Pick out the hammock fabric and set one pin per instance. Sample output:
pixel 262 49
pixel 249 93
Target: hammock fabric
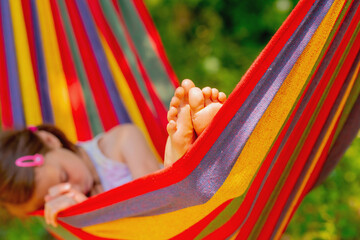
pixel 281 131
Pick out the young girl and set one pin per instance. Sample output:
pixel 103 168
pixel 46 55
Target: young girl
pixel 41 168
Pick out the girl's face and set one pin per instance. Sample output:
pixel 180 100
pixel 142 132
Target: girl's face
pixel 60 166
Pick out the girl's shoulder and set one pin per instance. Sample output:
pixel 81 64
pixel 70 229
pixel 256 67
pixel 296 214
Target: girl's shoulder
pixel 121 131
pixel 118 137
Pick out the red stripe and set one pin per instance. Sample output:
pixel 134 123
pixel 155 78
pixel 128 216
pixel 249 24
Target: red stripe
pixel 30 35
pixel 180 169
pixel 102 99
pixel 310 182
pixel 158 104
pixel 6 109
pixel 322 160
pixel 153 33
pixel 157 132
pixel 74 87
pixel 315 174
pixel 321 119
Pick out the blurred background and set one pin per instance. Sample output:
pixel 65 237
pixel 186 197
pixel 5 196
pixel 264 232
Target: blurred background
pixel 213 42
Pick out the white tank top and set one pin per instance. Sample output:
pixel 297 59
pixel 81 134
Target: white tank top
pixel 112 173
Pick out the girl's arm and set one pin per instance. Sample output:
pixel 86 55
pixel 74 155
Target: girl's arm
pixel 127 144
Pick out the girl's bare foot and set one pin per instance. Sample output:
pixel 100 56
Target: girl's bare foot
pixel 180 127
pixel 204 104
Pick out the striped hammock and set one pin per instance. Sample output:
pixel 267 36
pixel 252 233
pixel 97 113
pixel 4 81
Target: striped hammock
pixel 87 65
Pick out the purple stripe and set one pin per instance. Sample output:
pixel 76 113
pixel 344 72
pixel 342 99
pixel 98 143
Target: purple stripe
pixel 46 108
pixel 212 171
pixel 102 62
pixel 15 94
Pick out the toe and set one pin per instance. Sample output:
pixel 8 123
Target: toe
pixel 222 97
pixel 187 84
pixel 207 95
pixel 179 93
pixel 175 102
pixel 171 127
pixel 172 114
pixel 214 94
pixel 196 99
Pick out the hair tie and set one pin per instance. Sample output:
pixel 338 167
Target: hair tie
pixel 32 128
pixel 30 161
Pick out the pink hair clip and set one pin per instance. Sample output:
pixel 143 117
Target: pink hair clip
pixel 30 161
pixel 32 128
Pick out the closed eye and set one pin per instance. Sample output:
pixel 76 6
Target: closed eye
pixel 64 177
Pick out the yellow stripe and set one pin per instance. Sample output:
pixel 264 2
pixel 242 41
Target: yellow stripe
pixel 126 95
pixel 57 82
pixel 248 162
pixel 318 154
pixel 26 75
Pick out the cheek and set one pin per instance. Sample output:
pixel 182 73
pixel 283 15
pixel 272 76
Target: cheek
pixel 81 178
pixel 78 171
pixel 46 178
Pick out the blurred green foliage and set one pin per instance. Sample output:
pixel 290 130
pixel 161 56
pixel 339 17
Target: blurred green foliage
pixel 213 42
pixel 332 210
pixel 16 229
